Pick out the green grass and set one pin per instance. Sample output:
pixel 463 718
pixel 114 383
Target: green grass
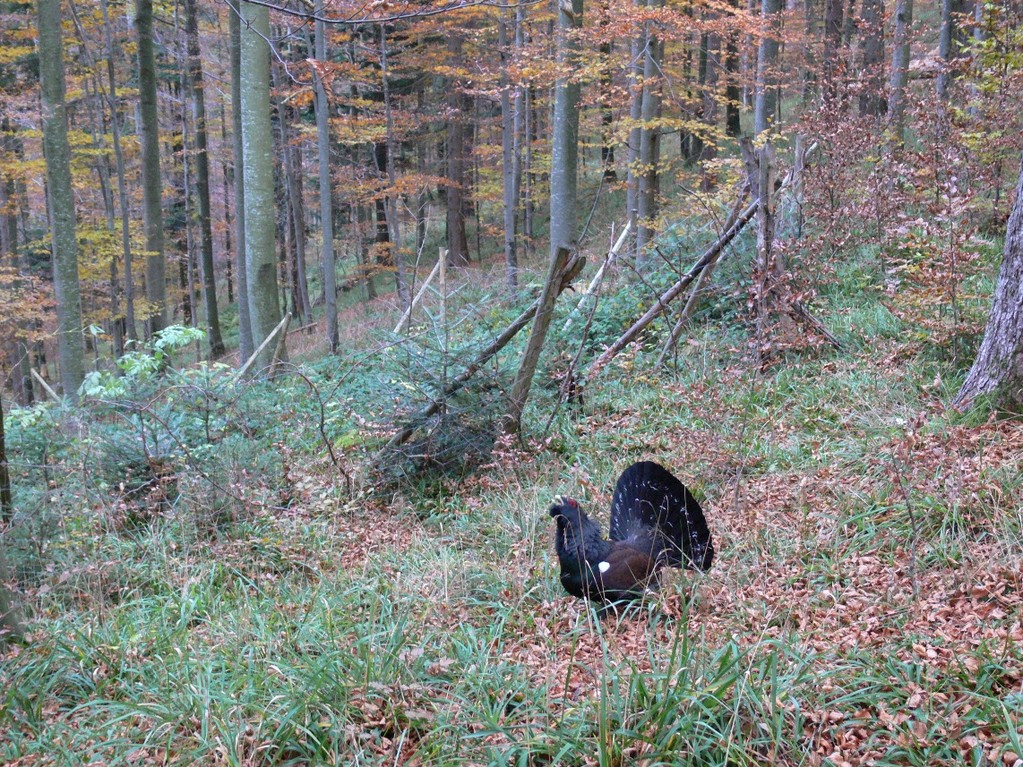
pixel 863 605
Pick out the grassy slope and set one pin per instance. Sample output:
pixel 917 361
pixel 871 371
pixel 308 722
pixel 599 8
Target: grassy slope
pixel 864 607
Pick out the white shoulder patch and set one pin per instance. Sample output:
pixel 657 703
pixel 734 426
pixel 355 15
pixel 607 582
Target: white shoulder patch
pixel 603 566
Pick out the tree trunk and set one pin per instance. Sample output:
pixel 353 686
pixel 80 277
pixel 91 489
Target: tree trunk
pixel 226 178
pixel 769 264
pixel 649 145
pixel 61 198
pixel 245 342
pixel 710 104
pixel 187 243
pixel 633 171
pixel 202 182
pixel 565 130
pixel 564 167
pixel 362 222
pixel 152 189
pixel 457 241
pixel 122 186
pixel 900 69
pixel 510 126
pixel 326 204
pixel 999 365
pixel 10 620
pixel 6 498
pixel 733 93
pixel 607 115
pixel 257 151
pixel 529 133
pixel 393 219
pixel 766 98
pixel 872 101
pixel 946 41
pixel 833 10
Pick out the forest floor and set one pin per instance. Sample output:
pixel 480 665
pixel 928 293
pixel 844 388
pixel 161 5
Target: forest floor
pixel 864 607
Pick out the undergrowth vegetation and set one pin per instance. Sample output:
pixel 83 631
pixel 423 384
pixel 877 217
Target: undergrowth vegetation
pixel 233 572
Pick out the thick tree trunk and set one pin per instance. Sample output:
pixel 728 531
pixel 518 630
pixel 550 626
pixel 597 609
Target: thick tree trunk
pixel 565 134
pixel 202 182
pixel 564 168
pixel 649 145
pixel 11 629
pixel 393 218
pixel 122 186
pixel 872 101
pixel 833 10
pixel 710 103
pixel 245 342
pixel 766 98
pixel 998 368
pixel 457 241
pixel 733 93
pixel 326 203
pixel 257 150
pixel 152 189
pixel 900 69
pixel 61 198
pixel 946 41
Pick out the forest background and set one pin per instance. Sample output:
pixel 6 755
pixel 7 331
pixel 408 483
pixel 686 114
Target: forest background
pixel 308 309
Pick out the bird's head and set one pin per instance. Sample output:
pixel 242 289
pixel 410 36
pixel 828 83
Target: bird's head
pixel 565 509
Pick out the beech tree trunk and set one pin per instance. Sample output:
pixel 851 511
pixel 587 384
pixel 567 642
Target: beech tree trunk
pixel 457 241
pixel 710 103
pixel 733 93
pixel 564 167
pixel 635 131
pixel 649 144
pixel 152 188
pixel 122 186
pixel 64 245
pixel 326 204
pixel 565 133
pixel 900 68
pixel 833 10
pixel 202 181
pixel 766 98
pixel 510 129
pixel 245 343
pixel 998 368
pixel 10 620
pixel 946 44
pixel 393 217
pixel 872 101
pixel 257 150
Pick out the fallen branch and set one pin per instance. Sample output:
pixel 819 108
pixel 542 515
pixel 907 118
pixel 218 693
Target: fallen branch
pixel 569 273
pixel 709 257
pixel 266 342
pixel 609 259
pixel 46 387
pixel 673 292
pixel 690 307
pixel 415 301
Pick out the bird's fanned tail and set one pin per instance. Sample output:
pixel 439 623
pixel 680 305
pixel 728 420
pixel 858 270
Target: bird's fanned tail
pixel 654 512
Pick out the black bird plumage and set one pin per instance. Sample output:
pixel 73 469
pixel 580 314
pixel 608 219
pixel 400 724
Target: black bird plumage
pixel 655 521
